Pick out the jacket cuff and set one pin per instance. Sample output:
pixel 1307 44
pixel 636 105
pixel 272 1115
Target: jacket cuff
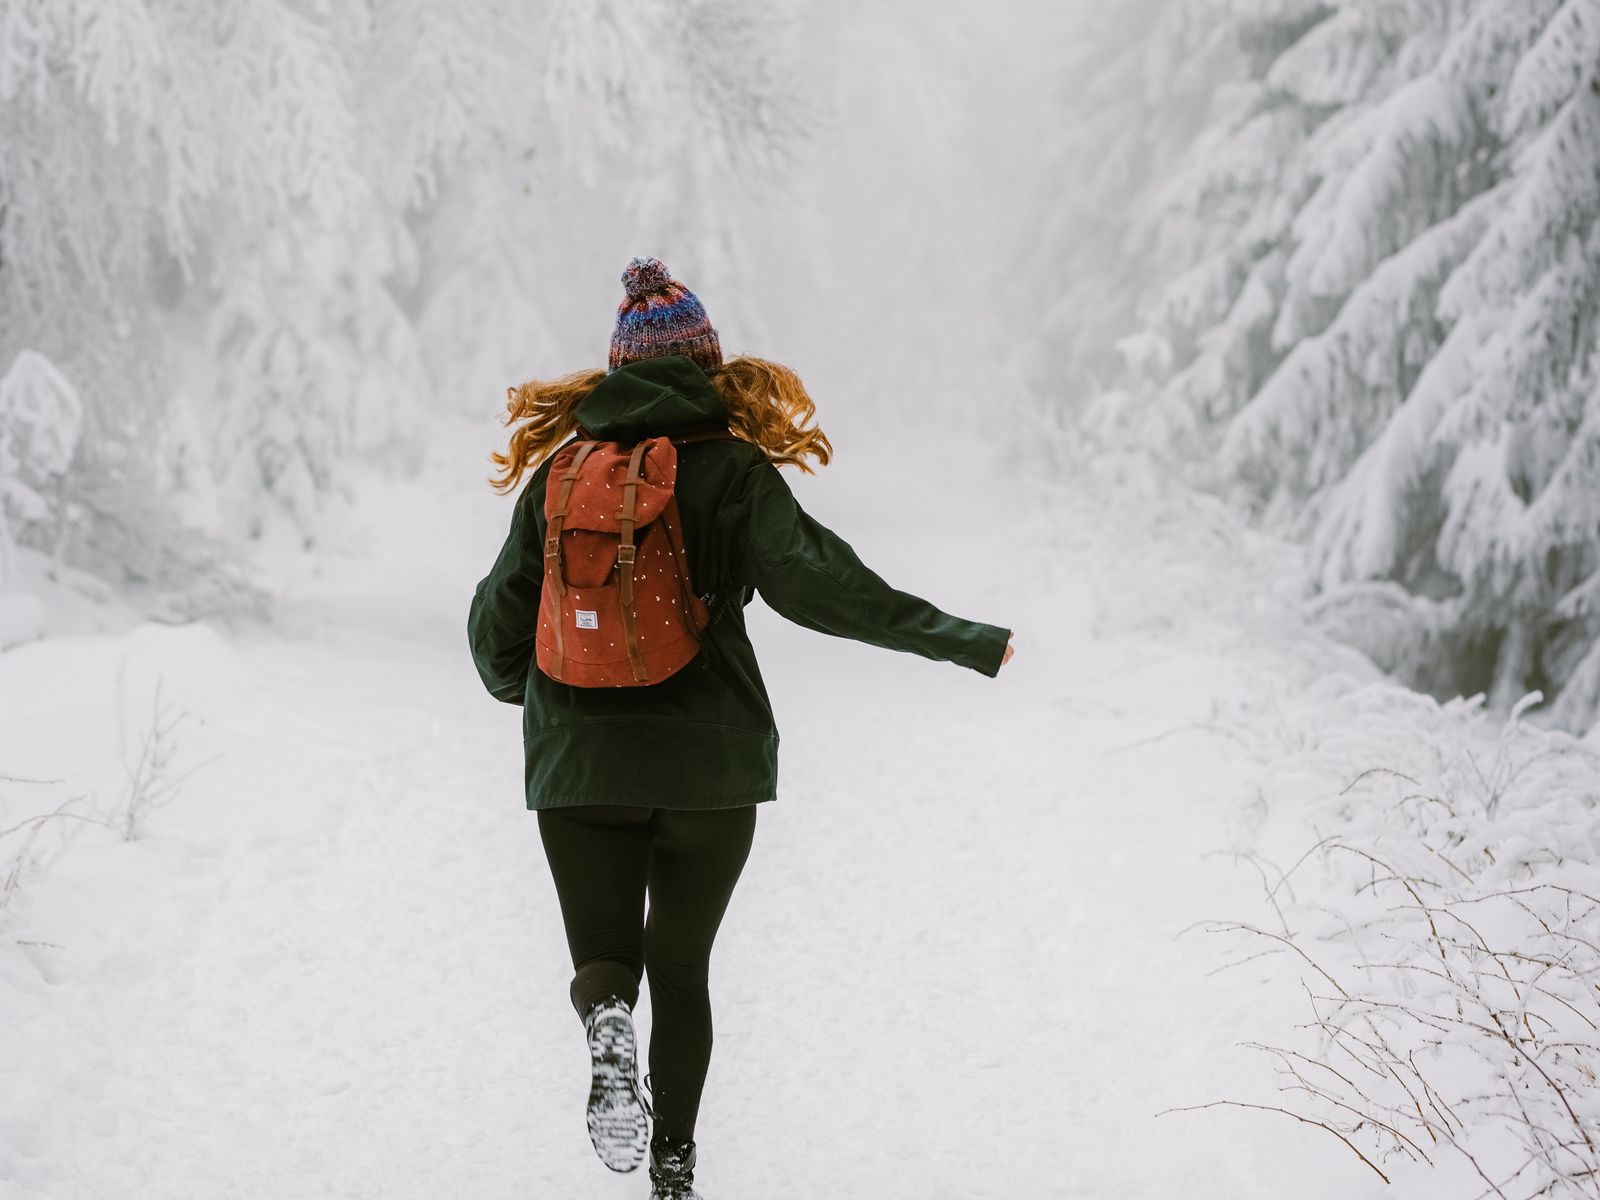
pixel 989 650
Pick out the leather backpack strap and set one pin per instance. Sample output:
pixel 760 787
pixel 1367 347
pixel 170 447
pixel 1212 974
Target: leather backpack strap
pixel 715 433
pixel 625 553
pixel 552 548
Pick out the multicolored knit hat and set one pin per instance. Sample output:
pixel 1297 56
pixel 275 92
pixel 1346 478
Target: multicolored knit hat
pixel 661 316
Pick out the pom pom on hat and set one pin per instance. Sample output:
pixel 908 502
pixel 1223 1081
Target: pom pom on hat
pixel 643 276
pixel 657 316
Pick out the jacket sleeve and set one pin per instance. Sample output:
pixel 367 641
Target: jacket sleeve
pixel 504 612
pixel 807 573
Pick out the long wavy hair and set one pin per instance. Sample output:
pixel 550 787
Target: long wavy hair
pixel 767 406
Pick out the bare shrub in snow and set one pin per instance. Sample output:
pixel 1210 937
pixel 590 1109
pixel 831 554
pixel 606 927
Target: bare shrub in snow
pixel 152 775
pixel 1431 870
pixel 29 845
pixel 1446 928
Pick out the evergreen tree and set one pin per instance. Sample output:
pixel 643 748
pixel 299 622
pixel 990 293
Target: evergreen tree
pixel 1374 322
pixel 261 235
pixel 40 420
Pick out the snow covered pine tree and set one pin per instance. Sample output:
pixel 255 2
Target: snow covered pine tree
pixel 1367 306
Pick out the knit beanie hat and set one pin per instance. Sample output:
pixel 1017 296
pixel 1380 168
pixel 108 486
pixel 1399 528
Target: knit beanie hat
pixel 661 316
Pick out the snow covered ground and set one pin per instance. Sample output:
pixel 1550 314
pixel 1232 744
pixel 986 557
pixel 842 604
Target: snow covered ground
pixel 332 965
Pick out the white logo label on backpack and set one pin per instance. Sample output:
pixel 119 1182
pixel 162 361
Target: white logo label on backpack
pixel 587 619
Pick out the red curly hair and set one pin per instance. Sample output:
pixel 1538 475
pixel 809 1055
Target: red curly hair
pixel 767 406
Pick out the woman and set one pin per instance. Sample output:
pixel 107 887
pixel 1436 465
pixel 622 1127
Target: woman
pixel 652 790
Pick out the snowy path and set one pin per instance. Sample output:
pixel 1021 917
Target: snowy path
pixel 335 967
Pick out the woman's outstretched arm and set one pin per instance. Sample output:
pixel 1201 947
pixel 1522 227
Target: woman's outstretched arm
pixel 810 575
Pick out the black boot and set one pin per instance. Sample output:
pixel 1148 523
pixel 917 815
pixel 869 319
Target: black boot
pixel 672 1170
pixel 618 1117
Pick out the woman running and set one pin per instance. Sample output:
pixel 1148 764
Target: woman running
pixel 650 791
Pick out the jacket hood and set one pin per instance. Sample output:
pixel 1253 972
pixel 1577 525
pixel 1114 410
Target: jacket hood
pixel 646 397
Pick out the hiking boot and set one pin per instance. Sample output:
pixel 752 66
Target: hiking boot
pixel 618 1116
pixel 672 1170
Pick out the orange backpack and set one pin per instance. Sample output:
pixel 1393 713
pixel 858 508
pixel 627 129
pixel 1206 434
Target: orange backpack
pixel 617 608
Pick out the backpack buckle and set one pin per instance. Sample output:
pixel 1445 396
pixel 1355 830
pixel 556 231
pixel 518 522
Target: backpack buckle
pixel 625 555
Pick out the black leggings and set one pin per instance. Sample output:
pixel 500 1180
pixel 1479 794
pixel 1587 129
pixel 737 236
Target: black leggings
pixel 603 858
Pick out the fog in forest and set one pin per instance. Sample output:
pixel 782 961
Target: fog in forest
pixel 1239 356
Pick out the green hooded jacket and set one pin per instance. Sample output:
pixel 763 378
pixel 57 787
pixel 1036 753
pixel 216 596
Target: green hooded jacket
pixel 704 737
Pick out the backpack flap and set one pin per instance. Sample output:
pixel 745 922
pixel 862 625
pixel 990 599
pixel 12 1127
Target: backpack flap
pixel 596 499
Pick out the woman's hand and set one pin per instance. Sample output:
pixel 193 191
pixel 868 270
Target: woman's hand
pixel 1010 650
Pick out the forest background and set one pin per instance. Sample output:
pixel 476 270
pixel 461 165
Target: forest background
pixel 1336 261
pixel 1331 264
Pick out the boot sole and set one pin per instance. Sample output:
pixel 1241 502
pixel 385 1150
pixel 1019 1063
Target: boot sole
pixel 618 1124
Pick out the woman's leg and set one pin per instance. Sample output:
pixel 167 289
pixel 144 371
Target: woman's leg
pixel 599 857
pixel 695 861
